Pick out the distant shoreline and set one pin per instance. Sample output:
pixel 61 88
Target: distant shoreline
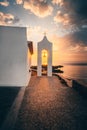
pixel 81 64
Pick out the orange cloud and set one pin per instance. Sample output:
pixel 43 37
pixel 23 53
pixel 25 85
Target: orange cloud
pixel 39 7
pixel 62 18
pixel 7 19
pixel 19 2
pixel 60 2
pixel 5 3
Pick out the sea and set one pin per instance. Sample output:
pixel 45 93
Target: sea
pixel 76 71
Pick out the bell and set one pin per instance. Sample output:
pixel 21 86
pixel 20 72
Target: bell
pixel 44 54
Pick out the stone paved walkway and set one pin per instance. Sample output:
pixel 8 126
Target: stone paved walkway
pixel 49 105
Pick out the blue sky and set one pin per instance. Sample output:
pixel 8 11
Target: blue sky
pixel 64 21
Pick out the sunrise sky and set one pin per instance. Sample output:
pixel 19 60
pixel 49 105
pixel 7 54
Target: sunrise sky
pixel 64 21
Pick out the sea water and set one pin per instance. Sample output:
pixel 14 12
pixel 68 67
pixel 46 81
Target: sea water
pixel 77 72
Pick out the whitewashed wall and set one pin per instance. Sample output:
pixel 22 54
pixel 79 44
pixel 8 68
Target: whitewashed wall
pixel 13 56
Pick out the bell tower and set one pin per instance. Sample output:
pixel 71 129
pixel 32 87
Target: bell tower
pixel 47 46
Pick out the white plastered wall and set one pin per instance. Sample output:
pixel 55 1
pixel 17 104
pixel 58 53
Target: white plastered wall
pixel 13 56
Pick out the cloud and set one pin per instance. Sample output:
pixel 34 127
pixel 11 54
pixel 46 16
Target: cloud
pixel 7 19
pixel 16 20
pixel 76 10
pixel 38 7
pixel 70 48
pixel 19 2
pixel 74 42
pixel 77 38
pixel 62 18
pixel 58 2
pixel 5 3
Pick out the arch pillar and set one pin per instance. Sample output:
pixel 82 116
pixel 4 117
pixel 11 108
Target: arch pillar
pixel 49 68
pixel 39 67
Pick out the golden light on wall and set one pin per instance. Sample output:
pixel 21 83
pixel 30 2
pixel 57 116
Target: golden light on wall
pixel 44 57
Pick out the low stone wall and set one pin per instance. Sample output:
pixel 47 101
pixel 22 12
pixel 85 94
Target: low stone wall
pixel 66 81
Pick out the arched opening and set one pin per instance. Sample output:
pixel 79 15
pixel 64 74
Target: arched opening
pixel 44 61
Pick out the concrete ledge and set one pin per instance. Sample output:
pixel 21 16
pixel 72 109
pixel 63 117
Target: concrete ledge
pixel 81 88
pixel 66 81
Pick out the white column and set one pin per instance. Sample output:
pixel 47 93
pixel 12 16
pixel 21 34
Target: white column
pixel 49 69
pixel 39 67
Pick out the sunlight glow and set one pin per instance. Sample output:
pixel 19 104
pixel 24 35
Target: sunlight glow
pixel 44 57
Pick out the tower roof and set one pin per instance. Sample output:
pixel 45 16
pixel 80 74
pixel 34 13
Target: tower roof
pixel 45 40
